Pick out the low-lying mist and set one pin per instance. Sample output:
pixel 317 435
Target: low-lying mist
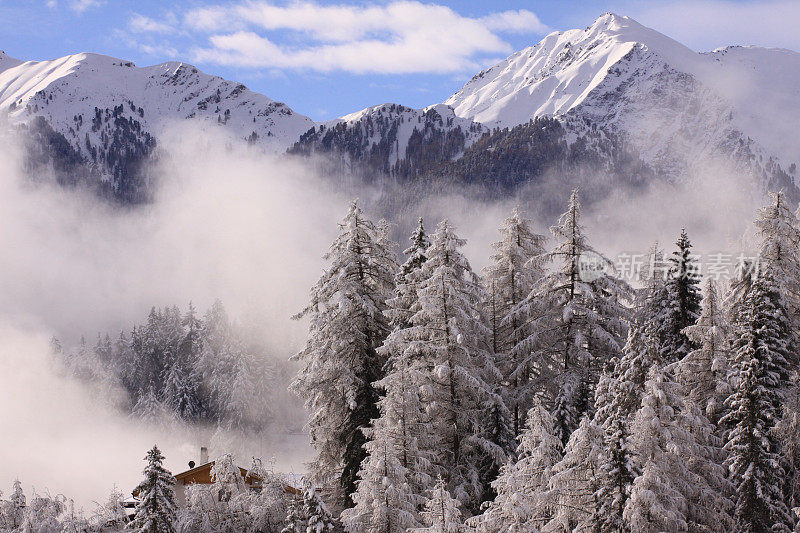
pixel 248 229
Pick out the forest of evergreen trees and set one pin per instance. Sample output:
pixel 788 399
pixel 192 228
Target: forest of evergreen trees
pixel 181 366
pixel 532 397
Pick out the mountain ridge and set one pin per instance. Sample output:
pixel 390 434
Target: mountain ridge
pixel 662 102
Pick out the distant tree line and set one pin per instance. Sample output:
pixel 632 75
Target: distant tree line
pixel 180 366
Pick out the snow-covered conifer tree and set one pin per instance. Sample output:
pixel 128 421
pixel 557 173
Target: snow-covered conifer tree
pixel 762 345
pixel 705 371
pixel 155 512
pixel 577 324
pixel 616 471
pixel 626 380
pixel 396 472
pixel 516 265
pixel 788 432
pixel 708 496
pixel 318 518
pixel 400 307
pixel 657 500
pixel 522 502
pixel 574 481
pixel 384 501
pixel 296 521
pixel 340 362
pixel 442 513
pixel 451 364
pixel 15 509
pixel 679 303
pixel 779 249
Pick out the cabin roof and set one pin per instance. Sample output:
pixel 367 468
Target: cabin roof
pixel 202 474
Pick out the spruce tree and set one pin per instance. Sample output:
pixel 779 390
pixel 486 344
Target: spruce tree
pixel 384 502
pixel 296 521
pixel 318 518
pixel 616 470
pixel 658 496
pixel 340 362
pixel 762 345
pixel 405 290
pixel 15 509
pixel 680 303
pixel 155 512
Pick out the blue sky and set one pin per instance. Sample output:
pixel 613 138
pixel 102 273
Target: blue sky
pixel 329 58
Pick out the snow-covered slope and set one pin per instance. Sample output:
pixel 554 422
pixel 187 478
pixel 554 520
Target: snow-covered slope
pixel 107 109
pixel 615 82
pixel 673 104
pixel 392 138
pixel 75 85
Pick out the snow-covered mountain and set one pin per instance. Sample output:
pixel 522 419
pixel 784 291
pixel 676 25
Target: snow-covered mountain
pixel 110 112
pixel 392 139
pixel 675 106
pixel 625 98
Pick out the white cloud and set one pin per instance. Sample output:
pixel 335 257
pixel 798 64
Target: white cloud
pixel 141 24
pixel 79 6
pixel 708 24
pixel 395 38
pixel 520 21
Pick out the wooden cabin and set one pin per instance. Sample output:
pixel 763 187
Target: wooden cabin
pixel 201 474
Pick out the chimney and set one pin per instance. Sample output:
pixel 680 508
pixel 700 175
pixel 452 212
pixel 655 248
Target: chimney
pixel 203 455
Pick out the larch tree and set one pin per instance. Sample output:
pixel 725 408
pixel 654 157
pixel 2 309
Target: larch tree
pixel 452 364
pixel 397 470
pixel 516 264
pixel 111 513
pixel 523 498
pixel 578 318
pixel 778 231
pixel 155 512
pixel 762 346
pixel 340 361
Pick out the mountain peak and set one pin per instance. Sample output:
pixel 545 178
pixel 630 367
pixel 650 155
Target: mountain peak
pixel 612 20
pixel 560 71
pixel 6 61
